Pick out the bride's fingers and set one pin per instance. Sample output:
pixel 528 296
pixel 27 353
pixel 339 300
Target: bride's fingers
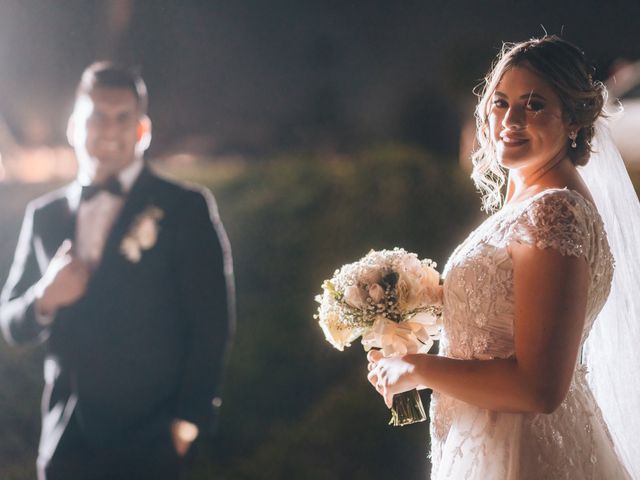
pixel 374 355
pixel 388 398
pixel 373 378
pixel 371 366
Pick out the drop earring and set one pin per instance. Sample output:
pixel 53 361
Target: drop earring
pixel 573 136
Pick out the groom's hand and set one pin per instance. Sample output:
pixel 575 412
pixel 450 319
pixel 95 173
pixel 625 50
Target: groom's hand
pixel 63 283
pixel 183 434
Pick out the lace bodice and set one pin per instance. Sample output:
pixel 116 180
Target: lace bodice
pixel 478 291
pixel 469 442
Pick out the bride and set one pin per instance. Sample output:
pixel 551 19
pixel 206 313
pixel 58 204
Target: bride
pixel 518 391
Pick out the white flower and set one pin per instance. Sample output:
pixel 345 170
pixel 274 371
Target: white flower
pixel 336 336
pixel 142 235
pixel 131 249
pixel 371 275
pixel 147 233
pixel 355 297
pixel 430 285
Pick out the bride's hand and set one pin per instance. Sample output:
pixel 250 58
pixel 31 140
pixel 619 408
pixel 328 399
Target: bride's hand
pixel 391 375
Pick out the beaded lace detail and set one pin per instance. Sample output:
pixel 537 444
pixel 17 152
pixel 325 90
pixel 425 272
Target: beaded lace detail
pixel 469 442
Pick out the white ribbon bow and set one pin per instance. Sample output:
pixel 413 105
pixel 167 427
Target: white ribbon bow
pixel 415 335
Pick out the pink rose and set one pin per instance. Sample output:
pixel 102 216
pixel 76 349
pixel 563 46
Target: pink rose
pixel 376 292
pixel 355 297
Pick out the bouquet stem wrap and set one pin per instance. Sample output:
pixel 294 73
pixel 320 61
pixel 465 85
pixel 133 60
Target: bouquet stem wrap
pixel 407 408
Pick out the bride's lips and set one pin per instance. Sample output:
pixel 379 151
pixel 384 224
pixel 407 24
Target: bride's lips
pixel 513 141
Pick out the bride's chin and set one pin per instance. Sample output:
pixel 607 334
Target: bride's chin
pixel 510 161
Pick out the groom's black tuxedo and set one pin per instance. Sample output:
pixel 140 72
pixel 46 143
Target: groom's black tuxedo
pixel 146 343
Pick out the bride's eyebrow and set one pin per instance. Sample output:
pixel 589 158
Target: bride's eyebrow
pixel 527 96
pixel 531 95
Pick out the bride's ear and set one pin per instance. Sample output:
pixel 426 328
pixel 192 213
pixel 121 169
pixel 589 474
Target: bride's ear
pixel 571 125
pixel 144 133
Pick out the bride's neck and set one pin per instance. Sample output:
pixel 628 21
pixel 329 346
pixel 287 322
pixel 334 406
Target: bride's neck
pixel 520 183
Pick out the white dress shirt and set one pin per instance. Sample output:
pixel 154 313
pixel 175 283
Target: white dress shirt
pixel 97 215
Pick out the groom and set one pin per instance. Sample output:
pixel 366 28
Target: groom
pixel 127 279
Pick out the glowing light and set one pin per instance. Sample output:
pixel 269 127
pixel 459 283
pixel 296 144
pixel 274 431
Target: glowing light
pixel 38 164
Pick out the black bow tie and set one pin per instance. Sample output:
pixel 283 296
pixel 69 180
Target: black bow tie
pixel 111 186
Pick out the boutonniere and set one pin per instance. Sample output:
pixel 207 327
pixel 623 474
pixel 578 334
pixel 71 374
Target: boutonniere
pixel 142 234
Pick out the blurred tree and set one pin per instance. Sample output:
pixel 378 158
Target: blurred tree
pixel 294 407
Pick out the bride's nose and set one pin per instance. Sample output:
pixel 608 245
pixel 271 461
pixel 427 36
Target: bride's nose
pixel 514 119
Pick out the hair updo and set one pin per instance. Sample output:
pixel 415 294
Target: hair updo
pixel 564 67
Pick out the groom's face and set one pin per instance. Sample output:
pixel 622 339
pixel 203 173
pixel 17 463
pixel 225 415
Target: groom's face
pixel 106 129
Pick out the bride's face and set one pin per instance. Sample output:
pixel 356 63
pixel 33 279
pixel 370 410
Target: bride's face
pixel 526 121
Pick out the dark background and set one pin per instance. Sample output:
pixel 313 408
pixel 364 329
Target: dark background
pixel 324 129
pixel 257 76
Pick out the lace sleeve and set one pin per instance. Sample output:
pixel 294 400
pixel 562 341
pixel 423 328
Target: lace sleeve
pixel 557 219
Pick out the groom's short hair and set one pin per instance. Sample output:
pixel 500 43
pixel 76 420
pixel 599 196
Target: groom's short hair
pixel 111 75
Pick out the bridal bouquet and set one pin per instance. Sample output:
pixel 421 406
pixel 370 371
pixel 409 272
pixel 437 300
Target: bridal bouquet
pixel 392 300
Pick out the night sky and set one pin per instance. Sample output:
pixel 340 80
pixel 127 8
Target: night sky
pixel 256 76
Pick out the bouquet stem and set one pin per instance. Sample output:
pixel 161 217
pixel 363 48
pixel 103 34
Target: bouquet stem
pixel 407 409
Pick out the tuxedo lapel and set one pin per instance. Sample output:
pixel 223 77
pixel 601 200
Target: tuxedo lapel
pixel 71 210
pixel 57 226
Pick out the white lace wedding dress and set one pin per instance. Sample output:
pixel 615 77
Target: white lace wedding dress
pixel 474 443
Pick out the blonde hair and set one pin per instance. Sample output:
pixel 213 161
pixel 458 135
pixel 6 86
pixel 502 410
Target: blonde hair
pixel 565 68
